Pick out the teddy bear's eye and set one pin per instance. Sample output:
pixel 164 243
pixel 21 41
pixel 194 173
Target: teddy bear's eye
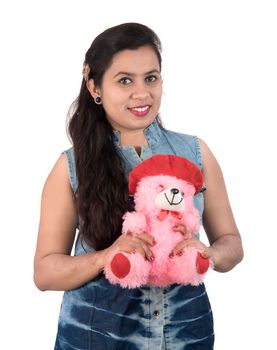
pixel 160 188
pixel 182 193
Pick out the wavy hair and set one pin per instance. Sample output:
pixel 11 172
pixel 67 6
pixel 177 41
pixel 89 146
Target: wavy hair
pixel 102 193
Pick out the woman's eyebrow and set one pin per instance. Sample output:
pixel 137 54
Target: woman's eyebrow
pixel 133 74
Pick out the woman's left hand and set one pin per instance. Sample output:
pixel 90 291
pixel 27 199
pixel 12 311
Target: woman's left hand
pixel 191 241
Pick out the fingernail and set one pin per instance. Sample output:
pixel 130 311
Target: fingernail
pixel 153 242
pixel 171 255
pixel 152 258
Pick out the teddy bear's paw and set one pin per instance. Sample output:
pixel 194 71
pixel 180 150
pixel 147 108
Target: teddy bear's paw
pixel 120 265
pixel 127 270
pixel 202 264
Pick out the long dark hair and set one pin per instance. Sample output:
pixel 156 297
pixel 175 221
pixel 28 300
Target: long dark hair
pixel 102 196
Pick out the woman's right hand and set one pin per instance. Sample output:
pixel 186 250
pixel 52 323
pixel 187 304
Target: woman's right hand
pixel 129 243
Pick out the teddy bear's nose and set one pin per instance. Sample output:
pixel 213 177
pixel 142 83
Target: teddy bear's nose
pixel 174 190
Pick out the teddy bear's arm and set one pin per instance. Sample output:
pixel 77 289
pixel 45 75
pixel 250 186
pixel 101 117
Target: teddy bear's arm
pixel 192 220
pixel 134 223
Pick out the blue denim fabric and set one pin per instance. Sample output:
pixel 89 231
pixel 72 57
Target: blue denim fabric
pixel 101 316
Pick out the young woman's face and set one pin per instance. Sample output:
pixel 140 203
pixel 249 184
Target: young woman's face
pixel 131 89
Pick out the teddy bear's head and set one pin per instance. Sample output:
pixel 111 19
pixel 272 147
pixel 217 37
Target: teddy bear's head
pixel 156 194
pixel 165 183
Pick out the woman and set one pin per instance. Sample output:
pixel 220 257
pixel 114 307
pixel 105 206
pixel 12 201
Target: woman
pixel 114 126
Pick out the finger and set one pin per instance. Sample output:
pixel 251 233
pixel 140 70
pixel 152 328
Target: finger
pixel 183 230
pixel 128 248
pixel 132 247
pixel 180 228
pixel 148 254
pixel 147 238
pixel 192 242
pixel 178 249
pixel 145 252
pixel 140 244
pixel 205 254
pixel 145 247
pixel 128 233
pixel 127 244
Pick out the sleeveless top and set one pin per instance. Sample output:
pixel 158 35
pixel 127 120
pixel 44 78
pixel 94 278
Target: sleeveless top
pixel 102 316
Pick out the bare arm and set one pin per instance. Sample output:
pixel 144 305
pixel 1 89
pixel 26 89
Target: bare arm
pixel 54 267
pixel 218 220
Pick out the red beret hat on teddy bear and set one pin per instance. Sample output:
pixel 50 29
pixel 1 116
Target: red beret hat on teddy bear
pixel 163 187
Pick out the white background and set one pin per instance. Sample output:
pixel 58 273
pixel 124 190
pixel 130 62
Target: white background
pixel 220 82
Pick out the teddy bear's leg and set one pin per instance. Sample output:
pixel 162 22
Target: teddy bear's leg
pixel 128 270
pixel 202 264
pixel 120 265
pixel 188 267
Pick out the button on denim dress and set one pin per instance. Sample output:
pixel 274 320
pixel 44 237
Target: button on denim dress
pixel 102 316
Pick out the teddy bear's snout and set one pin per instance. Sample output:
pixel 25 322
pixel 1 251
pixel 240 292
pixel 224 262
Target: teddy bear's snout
pixel 174 191
pixel 173 196
pixel 170 199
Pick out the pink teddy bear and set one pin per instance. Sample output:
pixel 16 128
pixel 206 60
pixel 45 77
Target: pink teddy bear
pixel 163 187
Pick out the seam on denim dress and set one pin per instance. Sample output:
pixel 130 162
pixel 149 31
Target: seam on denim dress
pixel 198 152
pixel 71 168
pixel 92 312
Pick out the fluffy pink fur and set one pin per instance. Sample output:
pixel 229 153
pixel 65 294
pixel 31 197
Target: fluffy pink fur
pixel 163 270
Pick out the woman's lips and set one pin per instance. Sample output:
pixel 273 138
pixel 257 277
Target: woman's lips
pixel 140 111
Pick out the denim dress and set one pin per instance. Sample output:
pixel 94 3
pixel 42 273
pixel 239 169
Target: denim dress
pixel 102 316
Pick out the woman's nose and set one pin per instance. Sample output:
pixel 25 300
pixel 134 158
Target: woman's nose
pixel 140 92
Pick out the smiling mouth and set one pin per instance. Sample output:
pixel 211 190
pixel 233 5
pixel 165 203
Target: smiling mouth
pixel 171 202
pixel 140 111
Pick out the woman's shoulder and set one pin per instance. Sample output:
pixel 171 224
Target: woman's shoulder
pixel 57 179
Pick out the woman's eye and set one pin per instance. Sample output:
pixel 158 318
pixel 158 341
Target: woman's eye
pixel 125 81
pixel 151 78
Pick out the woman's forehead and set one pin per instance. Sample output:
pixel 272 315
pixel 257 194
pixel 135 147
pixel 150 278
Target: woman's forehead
pixel 140 61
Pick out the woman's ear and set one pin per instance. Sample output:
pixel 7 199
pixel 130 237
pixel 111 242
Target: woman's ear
pixel 94 91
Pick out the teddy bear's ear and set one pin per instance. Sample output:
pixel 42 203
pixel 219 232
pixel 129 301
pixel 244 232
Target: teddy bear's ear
pixel 131 203
pixel 167 164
